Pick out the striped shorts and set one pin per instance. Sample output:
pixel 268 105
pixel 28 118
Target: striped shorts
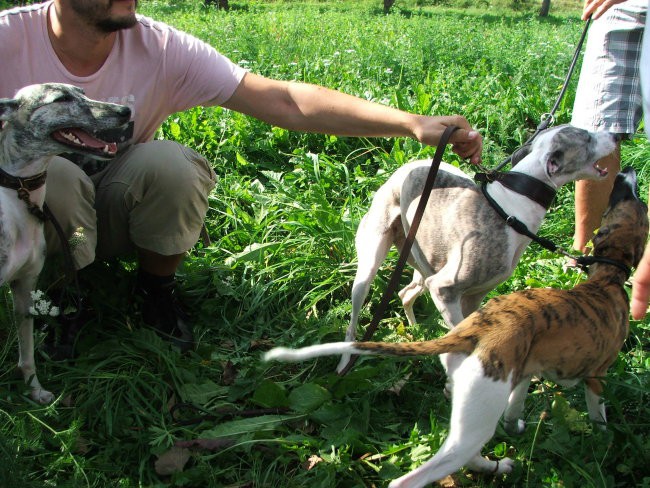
pixel 608 96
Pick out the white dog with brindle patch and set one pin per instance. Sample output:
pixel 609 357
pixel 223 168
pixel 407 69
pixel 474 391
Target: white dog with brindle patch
pixel 463 248
pixel 39 123
pixel 565 335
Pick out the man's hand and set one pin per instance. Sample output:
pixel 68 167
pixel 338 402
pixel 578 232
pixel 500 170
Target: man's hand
pixel 596 8
pixel 466 142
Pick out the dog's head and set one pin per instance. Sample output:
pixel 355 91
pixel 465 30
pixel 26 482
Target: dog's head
pixel 567 153
pixel 624 228
pixel 53 118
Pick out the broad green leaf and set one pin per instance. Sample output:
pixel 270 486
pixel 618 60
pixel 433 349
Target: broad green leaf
pixel 245 426
pixel 254 252
pixel 308 397
pixel 200 393
pixel 269 394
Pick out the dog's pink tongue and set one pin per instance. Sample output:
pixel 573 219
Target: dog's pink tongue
pixel 91 141
pixel 79 137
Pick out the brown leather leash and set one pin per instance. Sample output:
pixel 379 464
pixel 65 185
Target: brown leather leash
pixel 405 251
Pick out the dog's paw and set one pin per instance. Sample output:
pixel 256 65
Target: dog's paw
pixel 514 427
pixel 41 396
pixel 505 465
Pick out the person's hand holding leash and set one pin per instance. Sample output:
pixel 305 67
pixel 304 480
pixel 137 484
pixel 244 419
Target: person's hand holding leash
pixel 466 142
pixel 596 8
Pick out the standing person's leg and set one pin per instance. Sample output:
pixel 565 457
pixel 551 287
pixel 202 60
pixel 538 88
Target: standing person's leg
pixel 151 203
pixel 641 279
pixel 608 98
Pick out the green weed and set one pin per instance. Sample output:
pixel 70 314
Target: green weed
pixel 278 272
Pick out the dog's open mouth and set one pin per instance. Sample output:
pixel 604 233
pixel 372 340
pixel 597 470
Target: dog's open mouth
pixel 602 172
pixel 82 140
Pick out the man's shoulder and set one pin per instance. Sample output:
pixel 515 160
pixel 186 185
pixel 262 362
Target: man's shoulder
pixel 154 32
pixel 25 10
pixel 147 24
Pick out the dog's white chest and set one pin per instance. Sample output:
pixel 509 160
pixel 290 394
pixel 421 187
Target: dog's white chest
pixel 23 248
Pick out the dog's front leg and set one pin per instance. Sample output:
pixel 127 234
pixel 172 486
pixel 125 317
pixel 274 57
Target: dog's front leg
pixel 21 291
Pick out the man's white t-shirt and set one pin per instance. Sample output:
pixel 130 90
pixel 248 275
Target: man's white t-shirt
pixel 153 68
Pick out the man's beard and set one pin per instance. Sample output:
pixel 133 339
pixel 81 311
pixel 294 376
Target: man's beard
pixel 100 17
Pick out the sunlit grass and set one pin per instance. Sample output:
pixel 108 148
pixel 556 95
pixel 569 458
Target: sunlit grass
pixel 279 269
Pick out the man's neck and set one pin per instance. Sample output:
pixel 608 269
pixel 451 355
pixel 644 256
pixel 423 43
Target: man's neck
pixel 81 48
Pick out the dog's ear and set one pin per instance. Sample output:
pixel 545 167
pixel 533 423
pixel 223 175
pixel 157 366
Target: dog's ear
pixel 599 234
pixel 7 107
pixel 552 164
pixel 520 153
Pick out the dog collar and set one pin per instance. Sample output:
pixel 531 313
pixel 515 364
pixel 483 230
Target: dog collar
pixel 585 261
pixel 23 186
pixel 30 183
pixel 523 184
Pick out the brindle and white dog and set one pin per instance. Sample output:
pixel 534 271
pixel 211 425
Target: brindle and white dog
pixel 39 123
pixel 463 248
pixel 565 335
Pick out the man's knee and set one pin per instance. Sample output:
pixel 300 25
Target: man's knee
pixel 171 167
pixel 70 197
pixel 156 197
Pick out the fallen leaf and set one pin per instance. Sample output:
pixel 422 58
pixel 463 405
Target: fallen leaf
pixel 261 344
pixel 209 444
pixel 81 445
pixel 229 374
pixel 172 461
pixel 448 482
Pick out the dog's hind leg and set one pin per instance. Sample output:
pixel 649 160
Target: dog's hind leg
pixel 445 295
pixel 595 405
pixel 372 242
pixel 478 402
pixel 479 463
pixel 21 290
pixel 409 294
pixel 512 419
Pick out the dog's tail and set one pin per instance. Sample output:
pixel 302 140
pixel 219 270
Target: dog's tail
pixel 448 343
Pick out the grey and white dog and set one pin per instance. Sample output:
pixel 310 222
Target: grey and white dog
pixel 463 248
pixel 39 123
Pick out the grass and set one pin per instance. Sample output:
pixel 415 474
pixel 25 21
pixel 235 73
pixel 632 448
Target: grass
pixel 279 270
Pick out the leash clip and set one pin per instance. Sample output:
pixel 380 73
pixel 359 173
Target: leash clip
pixel 487 176
pixel 23 194
pixel 547 119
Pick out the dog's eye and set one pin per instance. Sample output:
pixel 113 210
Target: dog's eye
pixel 64 97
